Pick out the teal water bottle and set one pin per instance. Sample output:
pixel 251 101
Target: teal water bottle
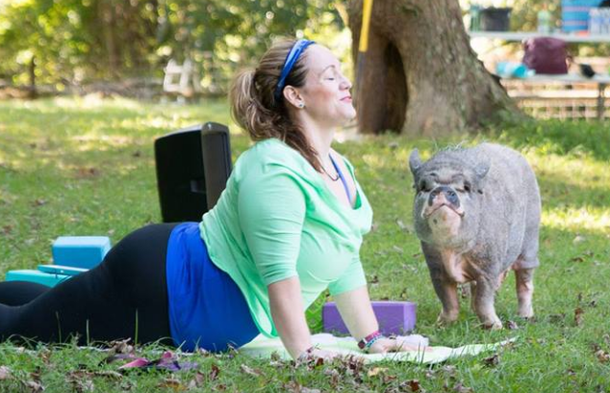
pixel 475 17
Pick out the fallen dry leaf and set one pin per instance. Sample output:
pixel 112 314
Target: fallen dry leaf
pixel 492 361
pixel 213 374
pixel 39 202
pixel 197 381
pixel 375 371
pixel 459 388
pixel 449 370
pixel 334 376
pixel 602 356
pixel 33 386
pixel 172 383
pixel 83 386
pixel 80 381
pixel 108 374
pixel 414 385
pixel 512 325
pixel 294 387
pixel 578 316
pixel 5 373
pixel 84 173
pixel 249 370
pixel 121 346
pixel 404 227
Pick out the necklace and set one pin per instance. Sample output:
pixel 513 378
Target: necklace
pixel 328 174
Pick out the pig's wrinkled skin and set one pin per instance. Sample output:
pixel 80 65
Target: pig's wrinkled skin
pixel 477 214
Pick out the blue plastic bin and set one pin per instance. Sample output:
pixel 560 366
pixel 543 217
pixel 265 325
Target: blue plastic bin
pixel 575 14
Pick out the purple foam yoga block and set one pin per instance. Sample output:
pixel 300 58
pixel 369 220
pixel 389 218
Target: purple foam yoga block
pixel 394 317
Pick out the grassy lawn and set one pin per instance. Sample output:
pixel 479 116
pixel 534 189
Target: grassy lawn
pixel 86 167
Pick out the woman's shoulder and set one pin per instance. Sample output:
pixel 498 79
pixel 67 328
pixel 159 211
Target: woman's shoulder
pixel 272 154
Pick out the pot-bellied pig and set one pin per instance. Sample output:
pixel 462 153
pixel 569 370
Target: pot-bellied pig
pixel 477 214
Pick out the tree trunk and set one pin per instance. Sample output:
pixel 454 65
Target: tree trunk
pixel 420 75
pixel 32 92
pixel 106 11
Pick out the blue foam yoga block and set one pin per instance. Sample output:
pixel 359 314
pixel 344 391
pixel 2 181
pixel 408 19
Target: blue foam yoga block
pixel 36 276
pixel 80 251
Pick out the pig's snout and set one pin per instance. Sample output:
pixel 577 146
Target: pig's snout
pixel 448 193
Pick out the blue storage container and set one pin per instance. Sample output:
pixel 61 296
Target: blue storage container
pixel 575 14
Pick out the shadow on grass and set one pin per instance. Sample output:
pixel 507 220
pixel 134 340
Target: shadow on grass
pixel 559 191
pixel 557 137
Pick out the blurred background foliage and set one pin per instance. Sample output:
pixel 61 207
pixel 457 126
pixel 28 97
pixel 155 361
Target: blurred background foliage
pixel 68 43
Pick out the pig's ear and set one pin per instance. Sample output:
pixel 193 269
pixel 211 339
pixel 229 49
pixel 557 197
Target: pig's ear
pixel 414 161
pixel 481 170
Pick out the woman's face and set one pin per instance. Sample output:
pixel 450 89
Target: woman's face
pixel 326 93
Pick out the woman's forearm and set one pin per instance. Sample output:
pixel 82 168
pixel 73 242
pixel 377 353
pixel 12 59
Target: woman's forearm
pixel 289 315
pixel 357 312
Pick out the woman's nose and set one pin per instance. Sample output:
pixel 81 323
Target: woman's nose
pixel 346 83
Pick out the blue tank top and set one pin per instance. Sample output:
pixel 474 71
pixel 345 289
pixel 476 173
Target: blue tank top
pixel 206 308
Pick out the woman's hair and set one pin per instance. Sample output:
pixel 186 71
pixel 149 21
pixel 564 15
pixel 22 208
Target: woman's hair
pixel 256 109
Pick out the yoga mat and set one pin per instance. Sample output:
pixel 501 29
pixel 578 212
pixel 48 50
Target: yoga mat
pixel 263 347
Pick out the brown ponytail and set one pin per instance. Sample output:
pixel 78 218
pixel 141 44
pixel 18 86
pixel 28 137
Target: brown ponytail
pixel 255 109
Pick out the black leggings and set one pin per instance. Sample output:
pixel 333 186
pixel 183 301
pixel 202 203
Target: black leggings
pixel 124 297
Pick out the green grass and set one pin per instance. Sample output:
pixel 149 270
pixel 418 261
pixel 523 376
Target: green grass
pixel 86 167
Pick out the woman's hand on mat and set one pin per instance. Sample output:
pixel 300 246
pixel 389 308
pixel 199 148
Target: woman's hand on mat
pixel 384 345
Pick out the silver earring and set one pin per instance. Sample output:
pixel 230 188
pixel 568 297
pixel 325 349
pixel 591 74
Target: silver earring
pixel 301 105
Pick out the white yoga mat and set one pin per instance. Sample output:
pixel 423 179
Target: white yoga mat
pixel 263 347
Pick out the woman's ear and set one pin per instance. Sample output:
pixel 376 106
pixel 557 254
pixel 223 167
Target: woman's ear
pixel 293 97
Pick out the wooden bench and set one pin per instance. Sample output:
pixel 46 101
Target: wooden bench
pixel 575 88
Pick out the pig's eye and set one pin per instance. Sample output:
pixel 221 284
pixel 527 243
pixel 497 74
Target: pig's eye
pixel 424 186
pixel 464 188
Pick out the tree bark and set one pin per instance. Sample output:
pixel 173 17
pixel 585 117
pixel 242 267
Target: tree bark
pixel 32 92
pixel 420 76
pixel 107 14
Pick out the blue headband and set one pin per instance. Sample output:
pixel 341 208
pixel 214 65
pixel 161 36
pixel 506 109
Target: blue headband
pixel 291 59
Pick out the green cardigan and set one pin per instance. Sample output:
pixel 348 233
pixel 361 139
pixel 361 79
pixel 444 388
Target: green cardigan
pixel 278 219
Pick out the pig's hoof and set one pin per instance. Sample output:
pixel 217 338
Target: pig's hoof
pixel 445 320
pixel 492 325
pixel 526 313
